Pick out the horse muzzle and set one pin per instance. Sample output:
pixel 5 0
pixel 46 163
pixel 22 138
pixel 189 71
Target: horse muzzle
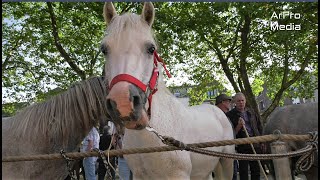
pixel 126 105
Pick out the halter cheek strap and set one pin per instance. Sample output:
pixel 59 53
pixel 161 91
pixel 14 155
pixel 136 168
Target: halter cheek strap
pixel 150 88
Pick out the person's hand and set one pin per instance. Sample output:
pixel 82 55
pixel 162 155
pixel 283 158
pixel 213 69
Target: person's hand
pixel 241 122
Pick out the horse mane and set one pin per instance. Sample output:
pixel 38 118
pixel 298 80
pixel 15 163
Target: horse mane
pixel 65 114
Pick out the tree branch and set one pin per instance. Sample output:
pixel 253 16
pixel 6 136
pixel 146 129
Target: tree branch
pixel 233 46
pixel 23 65
pixel 63 53
pixel 285 85
pixel 244 52
pixel 213 45
pixel 127 7
pixel 14 48
pixel 93 62
pixel 286 66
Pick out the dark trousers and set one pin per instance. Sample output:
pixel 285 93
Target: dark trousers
pixel 245 164
pixel 235 170
pixel 254 169
pixel 102 169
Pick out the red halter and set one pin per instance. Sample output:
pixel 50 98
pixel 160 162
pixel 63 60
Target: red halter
pixel 150 88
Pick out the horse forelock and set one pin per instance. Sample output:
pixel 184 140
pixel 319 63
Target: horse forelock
pixel 64 116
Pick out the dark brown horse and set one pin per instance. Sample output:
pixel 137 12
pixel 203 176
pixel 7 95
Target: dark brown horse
pixel 295 119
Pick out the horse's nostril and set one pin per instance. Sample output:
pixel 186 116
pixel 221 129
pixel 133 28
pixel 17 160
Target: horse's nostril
pixel 136 101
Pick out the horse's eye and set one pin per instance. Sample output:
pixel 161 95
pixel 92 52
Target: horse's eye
pixel 151 49
pixel 104 49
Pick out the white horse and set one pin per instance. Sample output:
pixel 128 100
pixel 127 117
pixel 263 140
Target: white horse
pixel 45 128
pixel 131 67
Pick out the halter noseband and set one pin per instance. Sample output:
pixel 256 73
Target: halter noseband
pixel 150 88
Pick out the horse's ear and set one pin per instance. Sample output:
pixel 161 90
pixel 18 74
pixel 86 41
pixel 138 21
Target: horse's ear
pixel 148 13
pixel 108 12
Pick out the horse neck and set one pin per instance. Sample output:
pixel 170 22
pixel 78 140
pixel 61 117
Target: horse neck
pixel 64 133
pixel 166 111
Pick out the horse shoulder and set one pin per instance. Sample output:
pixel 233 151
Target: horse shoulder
pixel 212 121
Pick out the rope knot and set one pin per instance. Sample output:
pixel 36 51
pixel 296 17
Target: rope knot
pixel 173 142
pixel 314 136
pixel 305 162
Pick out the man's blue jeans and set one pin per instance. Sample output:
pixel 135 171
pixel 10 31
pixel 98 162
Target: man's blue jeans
pixel 124 170
pixel 89 165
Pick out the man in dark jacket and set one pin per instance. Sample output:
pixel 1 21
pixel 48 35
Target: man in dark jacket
pixel 224 103
pixel 105 142
pixel 242 116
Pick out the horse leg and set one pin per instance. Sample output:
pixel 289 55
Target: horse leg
pixel 218 171
pixel 224 169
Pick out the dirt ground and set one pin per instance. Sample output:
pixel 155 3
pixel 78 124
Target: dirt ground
pixel 299 177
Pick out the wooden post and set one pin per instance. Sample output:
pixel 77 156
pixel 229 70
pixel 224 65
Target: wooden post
pixel 281 165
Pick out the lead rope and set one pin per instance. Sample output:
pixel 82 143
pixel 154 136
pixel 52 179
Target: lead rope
pixel 171 141
pixel 105 162
pixel 71 174
pixel 103 157
pixel 113 136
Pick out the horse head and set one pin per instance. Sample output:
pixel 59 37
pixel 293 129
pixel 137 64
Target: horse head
pixel 129 49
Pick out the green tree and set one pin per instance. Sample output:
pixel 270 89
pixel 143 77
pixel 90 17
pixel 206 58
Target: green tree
pixel 48 46
pixel 236 39
pixel 58 43
pixel 51 43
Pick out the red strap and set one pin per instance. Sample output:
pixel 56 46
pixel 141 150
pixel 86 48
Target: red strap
pixel 138 83
pixel 150 100
pixel 154 78
pixel 159 59
pixel 130 79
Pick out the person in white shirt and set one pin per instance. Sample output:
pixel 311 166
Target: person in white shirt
pixel 90 142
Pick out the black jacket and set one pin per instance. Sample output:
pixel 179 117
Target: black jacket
pixel 255 124
pixel 105 141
